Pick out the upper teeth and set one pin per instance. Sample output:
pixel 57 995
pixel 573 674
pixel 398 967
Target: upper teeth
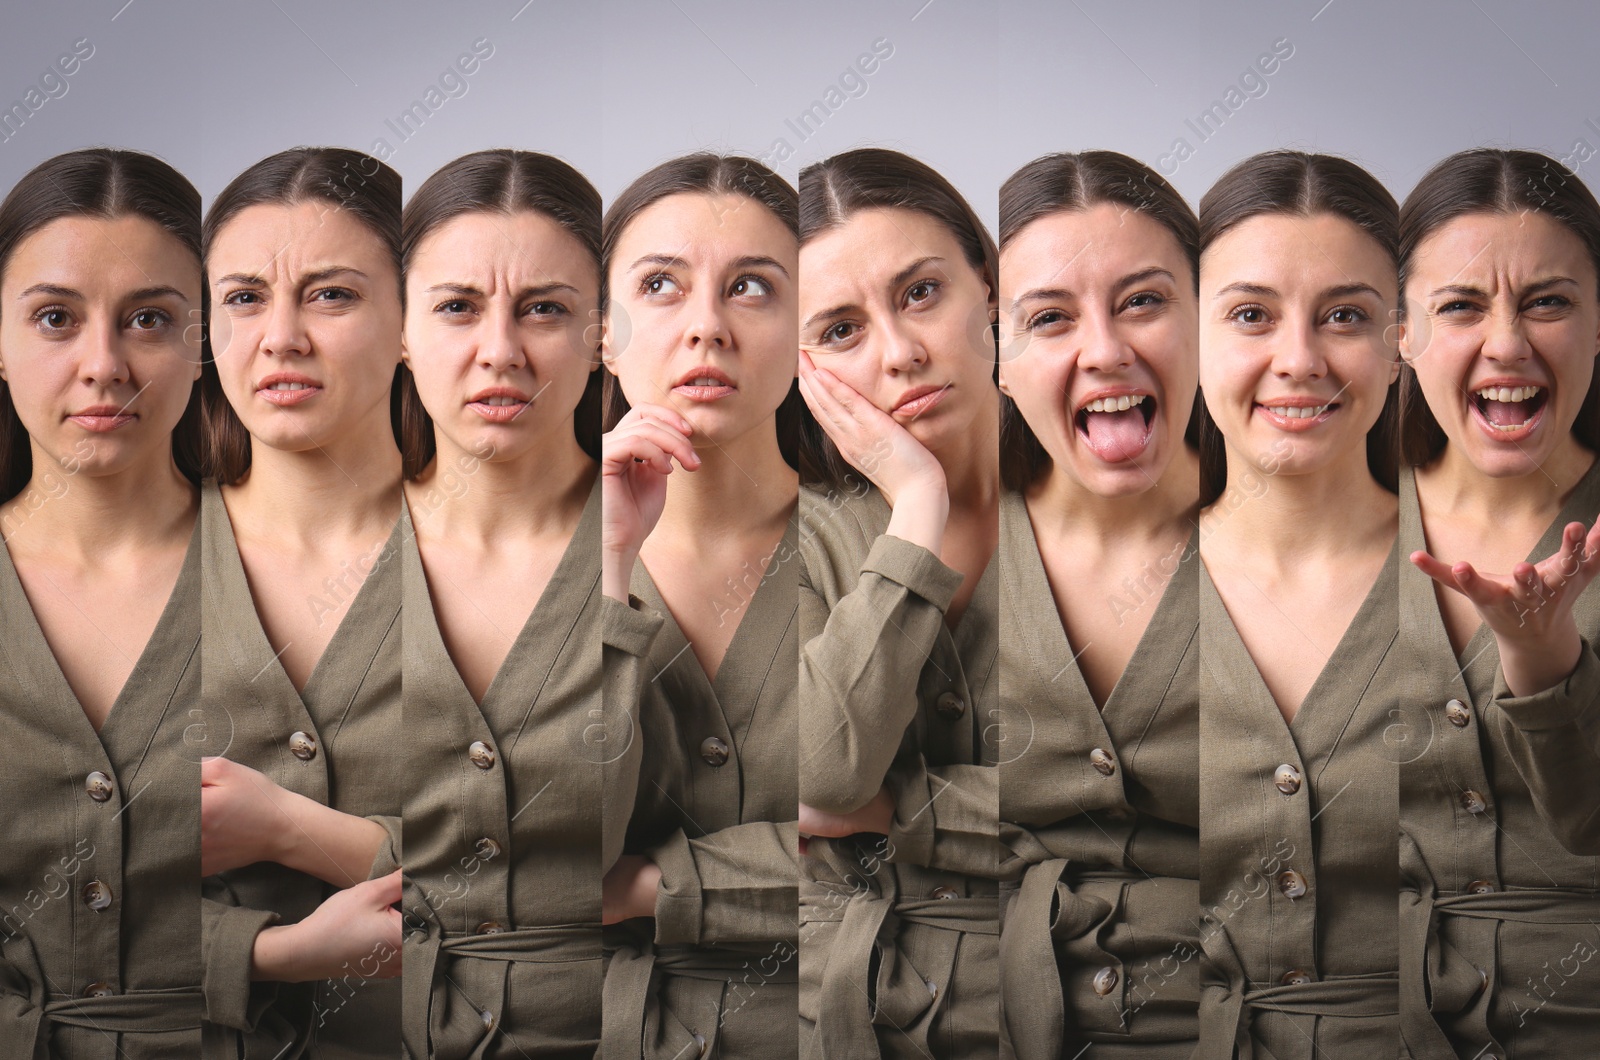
pixel 1299 412
pixel 1508 393
pixel 289 386
pixel 1115 404
pixel 499 400
pixel 704 381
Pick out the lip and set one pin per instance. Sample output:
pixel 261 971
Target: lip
pixel 1115 456
pixel 919 400
pixel 288 398
pixel 1495 434
pixel 481 403
pixel 686 388
pixel 103 418
pixel 1296 401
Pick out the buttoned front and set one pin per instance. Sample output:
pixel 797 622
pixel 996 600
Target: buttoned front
pixel 337 741
pixel 1099 810
pixel 100 867
pixel 1297 845
pixel 1500 886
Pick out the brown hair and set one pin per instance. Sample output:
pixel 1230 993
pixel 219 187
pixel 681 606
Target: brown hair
pixel 868 178
pixel 504 181
pixel 106 183
pixel 1298 184
pixel 1059 183
pixel 347 179
pixel 702 173
pixel 1490 180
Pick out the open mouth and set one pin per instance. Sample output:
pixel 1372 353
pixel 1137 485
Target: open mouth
pixel 705 385
pixel 1118 427
pixel 1297 414
pixel 1509 411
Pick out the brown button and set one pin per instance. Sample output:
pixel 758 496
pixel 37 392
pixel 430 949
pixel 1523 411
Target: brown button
pixel 98 785
pixel 98 990
pixel 487 848
pixel 1287 778
pixel 714 751
pixel 1105 981
pixel 303 746
pixel 1291 883
pixel 489 927
pixel 1458 713
pixel 1102 761
pixel 96 895
pixel 1480 887
pixel 1296 977
pixel 945 892
pixel 482 754
pixel 1472 802
pixel 488 1019
pixel 950 705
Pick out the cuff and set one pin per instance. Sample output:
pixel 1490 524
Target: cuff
pixel 388 857
pixel 1558 706
pixel 230 946
pixel 679 903
pixel 914 567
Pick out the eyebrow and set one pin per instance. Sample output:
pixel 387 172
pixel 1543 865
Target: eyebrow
pixel 318 276
pixel 1469 289
pixel 467 290
pixel 749 261
pixel 895 281
pixel 1061 292
pixel 142 294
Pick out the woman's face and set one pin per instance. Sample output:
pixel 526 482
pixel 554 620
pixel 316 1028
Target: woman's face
pixel 1100 330
pixel 305 323
pixel 97 340
pixel 1295 351
pixel 1502 328
pixel 701 316
pixel 498 330
pixel 892 308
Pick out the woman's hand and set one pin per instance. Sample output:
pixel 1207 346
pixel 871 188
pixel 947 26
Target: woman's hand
pixel 241 816
pixel 1530 610
pixel 629 889
pixel 354 932
pixel 876 816
pixel 635 460
pixel 872 442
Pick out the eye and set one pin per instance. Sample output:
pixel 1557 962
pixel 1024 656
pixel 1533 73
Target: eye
pixel 1550 302
pixel 241 298
pixel 1047 319
pixel 752 286
pixel 150 319
pixel 921 291
pixel 840 332
pixel 53 318
pixel 1346 316
pixel 1251 316
pixel 658 283
pixel 547 309
pixel 333 294
pixel 453 307
pixel 1146 300
pixel 1451 308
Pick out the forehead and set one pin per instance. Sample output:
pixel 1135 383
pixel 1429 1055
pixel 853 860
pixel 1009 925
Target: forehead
pixel 271 238
pixel 94 254
pixel 1477 248
pixel 1079 248
pixel 1290 252
pixel 702 228
pixel 527 248
pixel 870 248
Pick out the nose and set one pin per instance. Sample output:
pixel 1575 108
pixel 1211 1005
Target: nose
pixel 1297 355
pixel 284 333
pixel 102 362
pixel 899 349
pixel 500 341
pixel 1504 339
pixel 707 326
pixel 1100 346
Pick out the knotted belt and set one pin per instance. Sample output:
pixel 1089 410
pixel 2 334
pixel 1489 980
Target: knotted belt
pixel 1429 984
pixel 633 1017
pixel 866 918
pixel 468 1036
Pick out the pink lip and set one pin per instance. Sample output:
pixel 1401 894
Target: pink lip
pixel 103 418
pixel 685 387
pixel 499 413
pixel 919 400
pixel 1297 401
pixel 287 398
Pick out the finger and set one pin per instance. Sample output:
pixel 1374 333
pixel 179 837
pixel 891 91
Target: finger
pixel 661 413
pixel 622 461
pixel 651 438
pixel 1484 594
pixel 1438 571
pixel 1528 586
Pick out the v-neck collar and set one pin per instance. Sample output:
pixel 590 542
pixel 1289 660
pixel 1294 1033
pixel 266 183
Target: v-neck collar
pixel 769 608
pixel 532 654
pixel 1168 621
pixel 1583 500
pixel 162 650
pixel 359 620
pixel 1345 664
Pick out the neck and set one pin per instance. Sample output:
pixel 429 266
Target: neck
pixel 1059 504
pixel 343 487
pixel 972 465
pixel 463 498
pixel 1461 489
pixel 86 515
pixel 1338 508
pixel 730 492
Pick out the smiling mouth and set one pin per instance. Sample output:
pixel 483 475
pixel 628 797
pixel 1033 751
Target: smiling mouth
pixel 1117 428
pixel 1509 409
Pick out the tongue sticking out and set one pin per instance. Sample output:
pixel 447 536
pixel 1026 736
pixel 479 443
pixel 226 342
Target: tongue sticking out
pixel 1116 436
pixel 1507 413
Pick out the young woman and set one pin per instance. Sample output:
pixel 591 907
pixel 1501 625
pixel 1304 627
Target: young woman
pixel 700 491
pixel 300 810
pixel 899 614
pixel 1500 790
pixel 99 629
pixel 502 672
pixel 1099 792
pixel 1297 611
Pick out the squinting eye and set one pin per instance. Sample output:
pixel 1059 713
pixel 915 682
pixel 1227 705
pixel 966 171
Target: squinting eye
pixel 1549 301
pixel 1046 319
pixel 750 285
pixel 453 307
pixel 1145 300
pixel 333 294
pixel 1454 307
pixel 241 298
pixel 547 309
